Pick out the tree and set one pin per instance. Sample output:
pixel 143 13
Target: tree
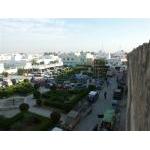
pixel 21 71
pixel 92 87
pixel 5 74
pixel 101 62
pixel 26 80
pixel 55 116
pixel 3 123
pixel 33 62
pixel 38 102
pixel 53 87
pixel 24 107
pixel 36 86
pixel 37 94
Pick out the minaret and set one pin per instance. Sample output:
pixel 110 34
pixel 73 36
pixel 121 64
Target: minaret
pixel 109 55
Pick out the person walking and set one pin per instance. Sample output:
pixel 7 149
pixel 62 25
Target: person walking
pixel 110 83
pixel 107 83
pixel 117 80
pixel 105 94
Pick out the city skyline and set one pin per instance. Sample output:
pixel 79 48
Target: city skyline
pixel 41 35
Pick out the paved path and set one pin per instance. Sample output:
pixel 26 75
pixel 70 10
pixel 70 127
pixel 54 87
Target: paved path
pixel 39 110
pixel 89 122
pixel 9 113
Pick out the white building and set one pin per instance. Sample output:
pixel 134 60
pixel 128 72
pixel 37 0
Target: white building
pixel 45 62
pixel 89 58
pixel 117 59
pixel 2 68
pixel 13 61
pixel 5 57
pixel 11 70
pixel 78 58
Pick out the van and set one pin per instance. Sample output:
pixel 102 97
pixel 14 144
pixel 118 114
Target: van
pixel 92 96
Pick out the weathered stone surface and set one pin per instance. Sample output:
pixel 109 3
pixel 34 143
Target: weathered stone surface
pixel 138 106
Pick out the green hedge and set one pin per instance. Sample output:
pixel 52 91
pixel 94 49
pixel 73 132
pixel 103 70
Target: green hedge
pixel 22 88
pixel 18 122
pixel 64 100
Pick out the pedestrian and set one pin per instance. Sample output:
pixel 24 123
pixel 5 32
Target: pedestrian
pixel 107 83
pixel 110 83
pixel 117 80
pixel 105 94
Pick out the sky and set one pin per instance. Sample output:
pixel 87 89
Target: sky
pixel 40 35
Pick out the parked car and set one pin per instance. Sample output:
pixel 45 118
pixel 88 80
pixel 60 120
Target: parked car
pixel 108 120
pixel 99 87
pixel 80 86
pixel 48 85
pixel 116 106
pixel 92 96
pixel 117 94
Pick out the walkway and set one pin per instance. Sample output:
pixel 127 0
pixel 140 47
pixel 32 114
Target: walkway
pixel 32 103
pixel 39 110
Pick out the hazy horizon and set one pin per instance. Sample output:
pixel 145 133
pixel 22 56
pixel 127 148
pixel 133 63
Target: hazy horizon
pixel 45 35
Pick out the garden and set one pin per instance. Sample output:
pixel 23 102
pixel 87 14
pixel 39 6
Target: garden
pixel 64 100
pixel 26 121
pixel 22 89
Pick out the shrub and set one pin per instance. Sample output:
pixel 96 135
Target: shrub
pixel 24 107
pixel 36 86
pixel 46 103
pixel 5 74
pixel 38 102
pixel 23 88
pixel 21 71
pixel 53 88
pixel 92 87
pixel 36 94
pixel 26 80
pixel 55 117
pixel 3 122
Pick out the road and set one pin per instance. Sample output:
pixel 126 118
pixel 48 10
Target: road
pixel 102 104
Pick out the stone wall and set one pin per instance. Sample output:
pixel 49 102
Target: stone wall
pixel 138 106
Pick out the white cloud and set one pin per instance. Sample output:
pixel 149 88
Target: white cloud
pixel 39 26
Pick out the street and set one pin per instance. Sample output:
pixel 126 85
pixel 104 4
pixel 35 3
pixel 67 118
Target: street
pixel 102 104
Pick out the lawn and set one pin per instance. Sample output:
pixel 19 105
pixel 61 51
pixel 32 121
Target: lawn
pixel 64 100
pixel 26 121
